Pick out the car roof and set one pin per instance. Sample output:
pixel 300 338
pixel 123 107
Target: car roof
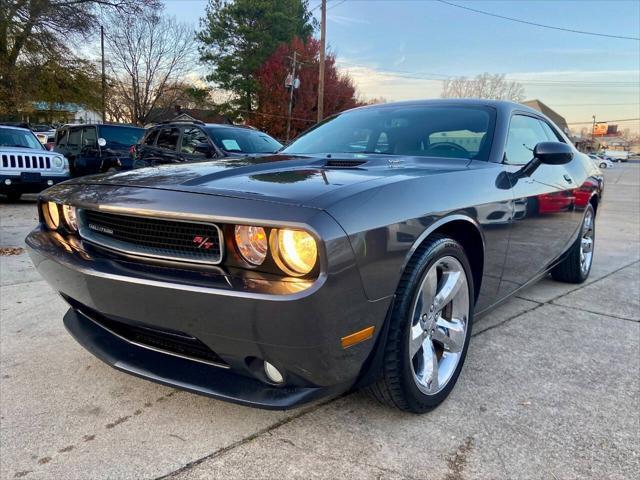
pixel 500 105
pixel 202 124
pixel 226 125
pixel 70 125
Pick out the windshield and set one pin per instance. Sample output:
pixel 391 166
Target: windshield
pixel 121 136
pixel 426 131
pixel 240 140
pixel 15 137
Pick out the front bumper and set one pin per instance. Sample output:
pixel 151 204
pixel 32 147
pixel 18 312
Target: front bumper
pixel 240 319
pixel 20 184
pixel 185 374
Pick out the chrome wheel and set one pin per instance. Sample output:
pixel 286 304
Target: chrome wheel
pixel 586 242
pixel 439 325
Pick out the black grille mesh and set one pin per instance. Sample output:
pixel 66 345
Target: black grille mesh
pixel 169 341
pixel 158 237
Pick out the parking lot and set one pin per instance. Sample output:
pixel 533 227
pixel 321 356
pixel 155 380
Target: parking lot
pixel 550 389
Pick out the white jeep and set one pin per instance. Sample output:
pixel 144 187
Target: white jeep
pixel 25 165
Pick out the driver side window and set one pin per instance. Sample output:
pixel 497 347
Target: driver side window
pixel 89 138
pixel 73 142
pixel 524 134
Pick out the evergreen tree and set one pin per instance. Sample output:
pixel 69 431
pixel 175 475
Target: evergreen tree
pixel 237 36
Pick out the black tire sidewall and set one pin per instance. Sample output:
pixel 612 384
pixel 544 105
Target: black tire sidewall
pixel 416 399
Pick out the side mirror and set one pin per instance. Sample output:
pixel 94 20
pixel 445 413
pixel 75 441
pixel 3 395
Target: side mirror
pixel 549 153
pixel 204 148
pixel 553 153
pixel 102 142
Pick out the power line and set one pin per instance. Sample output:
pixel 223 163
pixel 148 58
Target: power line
pixel 593 104
pixel 526 22
pixel 441 77
pixel 604 121
pixel 336 5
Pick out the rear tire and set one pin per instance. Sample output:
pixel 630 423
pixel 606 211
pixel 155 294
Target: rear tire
pixel 429 330
pixel 603 165
pixel 576 266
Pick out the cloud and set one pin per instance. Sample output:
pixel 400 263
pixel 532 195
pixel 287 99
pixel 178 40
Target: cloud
pixel 374 83
pixel 400 61
pixel 342 20
pixel 575 103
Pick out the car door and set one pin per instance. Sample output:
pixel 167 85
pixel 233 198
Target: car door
pixel 88 160
pixel 72 151
pixel 544 218
pixel 62 135
pixel 193 137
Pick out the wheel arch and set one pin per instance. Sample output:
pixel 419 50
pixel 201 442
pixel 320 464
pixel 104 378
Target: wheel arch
pixel 468 233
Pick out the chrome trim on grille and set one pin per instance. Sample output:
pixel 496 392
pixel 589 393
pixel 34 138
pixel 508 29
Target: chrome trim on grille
pixel 154 349
pixel 24 161
pixel 133 250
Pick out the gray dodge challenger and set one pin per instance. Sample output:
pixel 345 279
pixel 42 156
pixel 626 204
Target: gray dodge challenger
pixel 357 257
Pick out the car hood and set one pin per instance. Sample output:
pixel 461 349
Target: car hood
pixel 27 151
pixel 299 180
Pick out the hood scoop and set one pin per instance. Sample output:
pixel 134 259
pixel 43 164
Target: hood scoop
pixel 344 163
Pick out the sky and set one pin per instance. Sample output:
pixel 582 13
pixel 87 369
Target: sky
pixel 401 49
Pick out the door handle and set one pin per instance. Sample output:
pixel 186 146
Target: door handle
pixel 568 178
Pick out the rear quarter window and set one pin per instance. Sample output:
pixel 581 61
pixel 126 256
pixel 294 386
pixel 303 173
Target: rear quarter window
pixel 150 137
pixel 168 138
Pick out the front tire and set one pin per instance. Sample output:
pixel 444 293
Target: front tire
pixel 429 330
pixel 603 165
pixel 13 196
pixel 576 266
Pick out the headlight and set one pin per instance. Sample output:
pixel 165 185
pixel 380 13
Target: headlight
pixel 295 251
pixel 252 243
pixel 52 215
pixel 58 162
pixel 69 214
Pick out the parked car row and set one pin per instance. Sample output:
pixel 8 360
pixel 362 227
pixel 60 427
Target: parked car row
pixel 98 148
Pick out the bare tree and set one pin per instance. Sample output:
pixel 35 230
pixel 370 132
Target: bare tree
pixel 149 55
pixel 485 85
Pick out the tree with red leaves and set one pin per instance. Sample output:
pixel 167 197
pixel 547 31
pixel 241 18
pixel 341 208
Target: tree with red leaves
pixel 273 96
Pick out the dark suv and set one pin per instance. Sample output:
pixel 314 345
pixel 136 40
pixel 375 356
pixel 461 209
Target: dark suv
pixel 97 148
pixel 176 142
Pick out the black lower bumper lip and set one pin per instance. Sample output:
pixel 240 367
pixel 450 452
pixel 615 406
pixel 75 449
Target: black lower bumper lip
pixel 193 376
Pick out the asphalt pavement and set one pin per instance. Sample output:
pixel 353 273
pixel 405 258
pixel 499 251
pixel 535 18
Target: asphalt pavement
pixel 550 390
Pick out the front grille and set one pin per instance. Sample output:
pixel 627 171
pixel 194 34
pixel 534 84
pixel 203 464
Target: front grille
pixel 26 162
pixel 167 341
pixel 154 237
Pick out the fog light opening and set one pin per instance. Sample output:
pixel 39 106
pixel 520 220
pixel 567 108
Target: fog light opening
pixel 273 373
pixel 7 181
pixel 49 182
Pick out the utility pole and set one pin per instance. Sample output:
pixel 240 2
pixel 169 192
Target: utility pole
pixel 292 87
pixel 104 78
pixel 593 133
pixel 323 34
